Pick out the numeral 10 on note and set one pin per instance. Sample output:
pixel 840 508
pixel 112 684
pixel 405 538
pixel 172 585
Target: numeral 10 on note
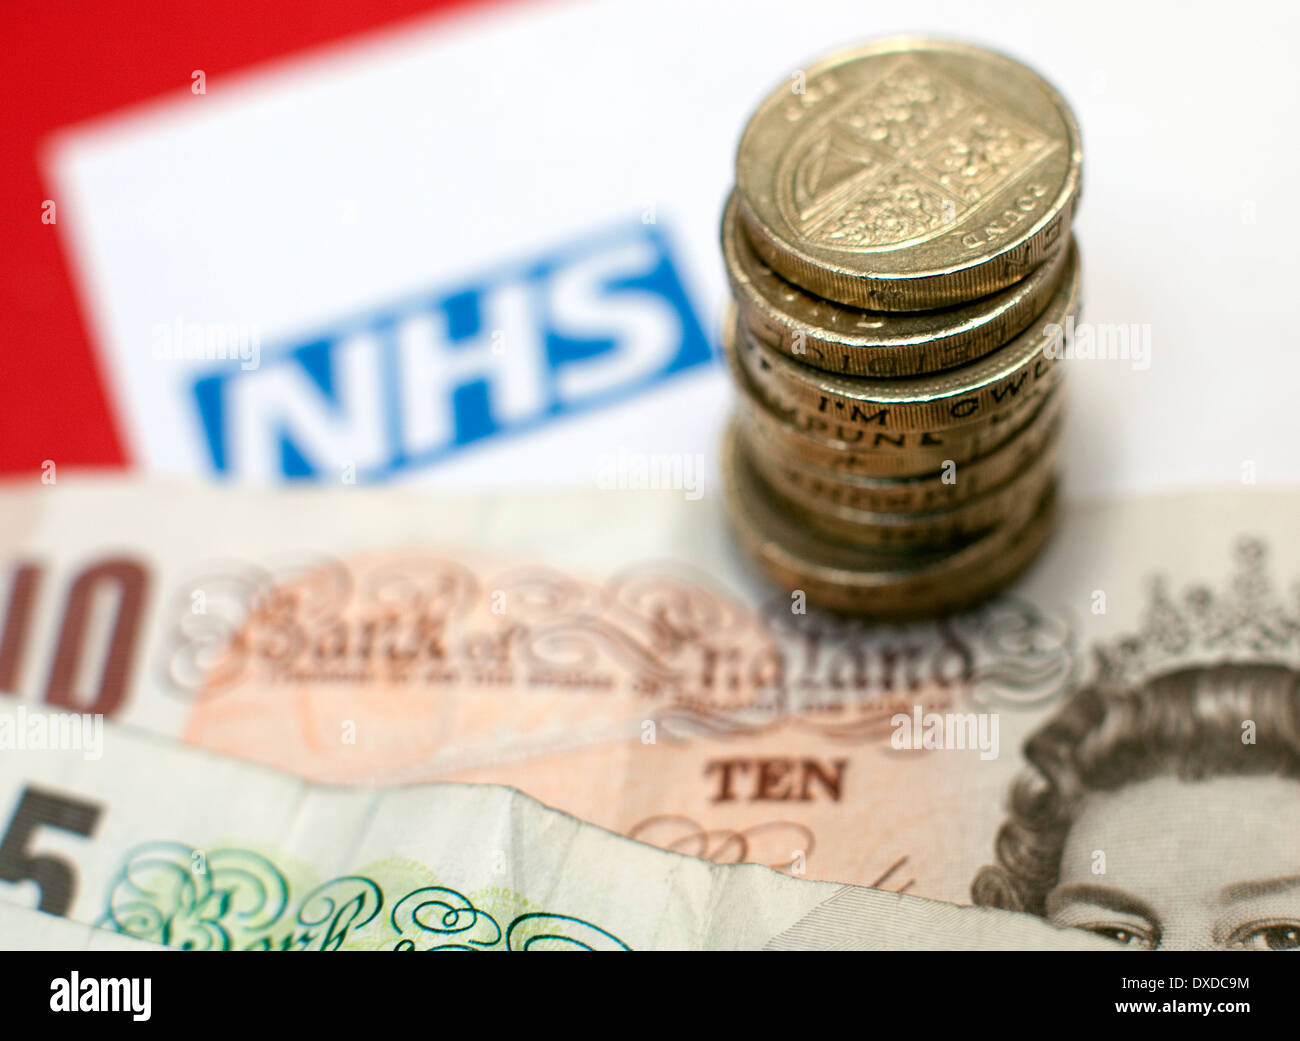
pixel 96 629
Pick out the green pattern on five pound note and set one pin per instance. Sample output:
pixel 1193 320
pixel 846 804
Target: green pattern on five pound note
pixel 239 899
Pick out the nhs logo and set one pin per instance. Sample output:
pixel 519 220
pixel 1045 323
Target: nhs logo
pixel 422 378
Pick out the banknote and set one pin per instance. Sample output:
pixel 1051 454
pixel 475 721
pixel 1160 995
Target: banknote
pixel 1112 745
pixel 177 846
pixel 22 929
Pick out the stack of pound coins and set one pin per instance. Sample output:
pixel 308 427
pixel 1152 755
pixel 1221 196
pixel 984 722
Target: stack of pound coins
pixel 900 259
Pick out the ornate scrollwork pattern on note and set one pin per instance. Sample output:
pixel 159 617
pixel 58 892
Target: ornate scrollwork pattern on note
pixel 439 919
pixel 174 895
pixel 444 919
pixel 315 618
pixel 694 659
pixel 559 932
pixel 203 644
pixel 1024 656
pixel 773 843
pixel 228 899
pixel 675 608
pixel 330 911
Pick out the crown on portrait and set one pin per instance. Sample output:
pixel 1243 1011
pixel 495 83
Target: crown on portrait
pixel 1248 621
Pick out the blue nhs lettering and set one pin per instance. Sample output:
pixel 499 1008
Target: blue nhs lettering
pixel 421 379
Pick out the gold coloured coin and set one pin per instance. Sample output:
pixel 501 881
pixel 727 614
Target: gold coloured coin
pixel 793 477
pixel 842 448
pixel 853 342
pixel 909 174
pixel 1010 503
pixel 822 400
pixel 873 582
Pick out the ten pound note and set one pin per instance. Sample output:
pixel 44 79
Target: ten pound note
pixel 1113 746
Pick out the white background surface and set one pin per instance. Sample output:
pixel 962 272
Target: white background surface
pixel 313 189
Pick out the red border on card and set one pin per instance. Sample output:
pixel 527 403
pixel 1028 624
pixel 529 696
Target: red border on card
pixel 67 63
